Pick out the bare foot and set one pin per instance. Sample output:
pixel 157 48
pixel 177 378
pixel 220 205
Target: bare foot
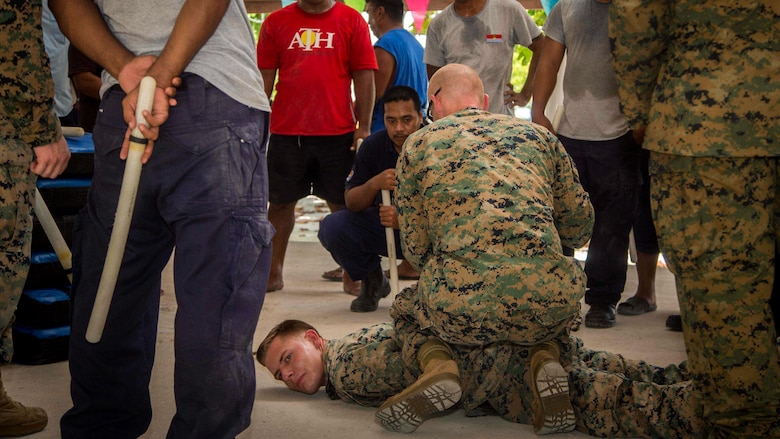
pixel 351 287
pixel 275 282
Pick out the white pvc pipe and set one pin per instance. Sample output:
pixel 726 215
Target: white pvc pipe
pixel 53 233
pixel 124 213
pixel 390 237
pixel 72 131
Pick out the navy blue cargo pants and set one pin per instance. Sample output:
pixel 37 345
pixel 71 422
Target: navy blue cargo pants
pixel 204 193
pixel 356 240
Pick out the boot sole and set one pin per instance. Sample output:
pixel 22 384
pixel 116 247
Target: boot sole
pixel 404 412
pixel 599 323
pixel 359 308
pixel 554 413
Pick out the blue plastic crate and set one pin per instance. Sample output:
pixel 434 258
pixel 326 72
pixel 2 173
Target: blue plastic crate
pixel 40 346
pixel 43 308
pixel 46 272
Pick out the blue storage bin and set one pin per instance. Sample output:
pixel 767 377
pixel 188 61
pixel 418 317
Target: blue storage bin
pixel 40 346
pixel 43 308
pixel 46 272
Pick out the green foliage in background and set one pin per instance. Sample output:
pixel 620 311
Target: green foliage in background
pixel 256 20
pixel 522 58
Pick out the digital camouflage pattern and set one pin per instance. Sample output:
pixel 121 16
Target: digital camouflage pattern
pixel 704 78
pixel 724 274
pixel 16 185
pixel 616 397
pixel 366 367
pixel 27 119
pixel 612 396
pixel 701 75
pixel 485 203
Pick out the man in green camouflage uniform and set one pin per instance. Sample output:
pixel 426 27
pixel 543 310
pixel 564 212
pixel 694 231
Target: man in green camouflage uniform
pixel 31 144
pixel 704 78
pixel 612 396
pixel 485 204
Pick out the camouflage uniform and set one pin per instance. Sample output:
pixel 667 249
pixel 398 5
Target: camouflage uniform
pixel 485 203
pixel 365 367
pixel 612 396
pixel 27 120
pixel 704 77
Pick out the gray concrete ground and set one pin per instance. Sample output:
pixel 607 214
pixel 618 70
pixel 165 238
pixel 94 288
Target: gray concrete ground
pixel 306 296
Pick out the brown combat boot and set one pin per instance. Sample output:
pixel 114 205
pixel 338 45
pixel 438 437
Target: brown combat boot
pixel 435 391
pixel 18 420
pixel 553 412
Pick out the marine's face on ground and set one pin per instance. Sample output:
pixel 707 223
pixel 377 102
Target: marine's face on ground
pixel 295 360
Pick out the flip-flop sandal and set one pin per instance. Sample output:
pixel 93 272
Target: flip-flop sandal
pixel 634 306
pixel 333 275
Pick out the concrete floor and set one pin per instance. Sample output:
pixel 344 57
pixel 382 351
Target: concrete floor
pixel 279 412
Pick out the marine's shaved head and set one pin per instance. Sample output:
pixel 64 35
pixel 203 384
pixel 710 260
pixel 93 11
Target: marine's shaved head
pixel 456 87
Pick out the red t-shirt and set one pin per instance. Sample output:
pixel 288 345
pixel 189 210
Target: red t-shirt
pixel 314 55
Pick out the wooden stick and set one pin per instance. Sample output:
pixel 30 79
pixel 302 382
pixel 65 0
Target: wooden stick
pixel 390 237
pixel 124 213
pixel 53 233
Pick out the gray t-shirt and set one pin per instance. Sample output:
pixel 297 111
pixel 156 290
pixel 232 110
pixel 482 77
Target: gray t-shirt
pixel 591 109
pixel 228 59
pixel 485 42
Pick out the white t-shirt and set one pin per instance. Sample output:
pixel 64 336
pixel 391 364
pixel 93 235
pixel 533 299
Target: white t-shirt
pixel 591 107
pixel 484 42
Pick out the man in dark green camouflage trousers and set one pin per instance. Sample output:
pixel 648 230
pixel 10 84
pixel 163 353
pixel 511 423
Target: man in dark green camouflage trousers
pixel 704 79
pixel 612 396
pixel 31 144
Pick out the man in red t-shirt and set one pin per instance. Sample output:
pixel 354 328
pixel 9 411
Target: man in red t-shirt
pixel 319 48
